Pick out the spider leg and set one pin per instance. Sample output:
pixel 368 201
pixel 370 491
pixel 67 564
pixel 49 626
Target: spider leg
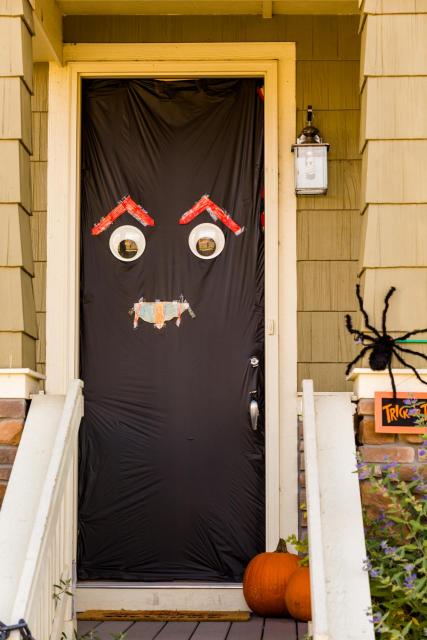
pixel 411 333
pixel 386 306
pixel 365 315
pixel 414 353
pixel 393 384
pixel 351 329
pixel 406 364
pixel 357 358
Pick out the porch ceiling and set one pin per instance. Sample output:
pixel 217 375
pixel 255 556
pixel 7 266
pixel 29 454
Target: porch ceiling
pixel 266 8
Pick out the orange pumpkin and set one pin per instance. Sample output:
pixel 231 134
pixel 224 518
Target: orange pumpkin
pixel 265 581
pixel 297 596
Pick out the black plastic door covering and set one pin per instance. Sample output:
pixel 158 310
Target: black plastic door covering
pixel 171 473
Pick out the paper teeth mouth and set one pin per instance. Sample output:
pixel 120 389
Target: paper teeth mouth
pixel 159 312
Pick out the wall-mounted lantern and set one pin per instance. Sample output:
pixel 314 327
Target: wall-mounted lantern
pixel 311 160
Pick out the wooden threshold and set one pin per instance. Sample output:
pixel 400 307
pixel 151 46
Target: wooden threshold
pixel 163 616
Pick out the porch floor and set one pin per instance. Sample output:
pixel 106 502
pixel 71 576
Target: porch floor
pixel 255 629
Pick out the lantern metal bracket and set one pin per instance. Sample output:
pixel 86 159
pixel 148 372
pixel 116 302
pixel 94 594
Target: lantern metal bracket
pixel 309 134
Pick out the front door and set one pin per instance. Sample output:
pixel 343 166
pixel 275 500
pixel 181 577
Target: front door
pixel 172 474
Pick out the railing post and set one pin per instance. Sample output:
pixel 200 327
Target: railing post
pixel 317 568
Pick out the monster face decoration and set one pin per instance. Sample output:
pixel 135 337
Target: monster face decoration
pixel 127 244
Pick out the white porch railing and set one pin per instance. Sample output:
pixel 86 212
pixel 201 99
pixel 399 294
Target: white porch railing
pixel 339 585
pixel 317 568
pixel 38 519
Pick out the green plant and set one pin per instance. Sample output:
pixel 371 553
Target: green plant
pixel 300 545
pixel 64 586
pixel 396 542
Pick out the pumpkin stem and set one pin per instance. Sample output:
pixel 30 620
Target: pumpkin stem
pixel 281 547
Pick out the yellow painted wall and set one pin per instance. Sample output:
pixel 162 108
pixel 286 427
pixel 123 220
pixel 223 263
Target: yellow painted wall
pixel 328 227
pixel 39 108
pixel 18 328
pixel 393 141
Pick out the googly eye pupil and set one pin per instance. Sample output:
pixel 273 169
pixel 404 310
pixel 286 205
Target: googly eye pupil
pixel 206 246
pixel 127 248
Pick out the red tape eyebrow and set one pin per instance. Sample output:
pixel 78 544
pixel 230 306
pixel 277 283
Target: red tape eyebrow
pixel 126 204
pixel 206 204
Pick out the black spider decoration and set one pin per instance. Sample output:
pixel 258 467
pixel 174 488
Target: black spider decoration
pixel 382 346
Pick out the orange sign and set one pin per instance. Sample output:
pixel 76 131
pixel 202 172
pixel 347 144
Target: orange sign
pixel 407 413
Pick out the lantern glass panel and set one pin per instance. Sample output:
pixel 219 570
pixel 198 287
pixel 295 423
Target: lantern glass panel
pixel 311 168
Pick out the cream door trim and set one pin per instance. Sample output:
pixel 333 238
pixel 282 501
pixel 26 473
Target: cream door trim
pixel 276 63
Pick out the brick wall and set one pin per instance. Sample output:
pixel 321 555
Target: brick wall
pixel 382 449
pixel 12 418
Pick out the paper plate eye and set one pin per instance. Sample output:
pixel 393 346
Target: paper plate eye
pixel 127 243
pixel 206 241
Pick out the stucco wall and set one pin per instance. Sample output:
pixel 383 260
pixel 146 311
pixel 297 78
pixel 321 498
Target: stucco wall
pixel 328 227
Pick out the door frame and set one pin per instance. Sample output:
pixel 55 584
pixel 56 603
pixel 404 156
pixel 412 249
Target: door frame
pixel 275 61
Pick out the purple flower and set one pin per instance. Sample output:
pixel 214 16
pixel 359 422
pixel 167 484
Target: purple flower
pixel 390 551
pixel 374 573
pixel 389 465
pixel 413 412
pixel 376 618
pixel 367 566
pixel 409 581
pixel 393 476
pixel 362 470
pixel 422 452
pixel 411 576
